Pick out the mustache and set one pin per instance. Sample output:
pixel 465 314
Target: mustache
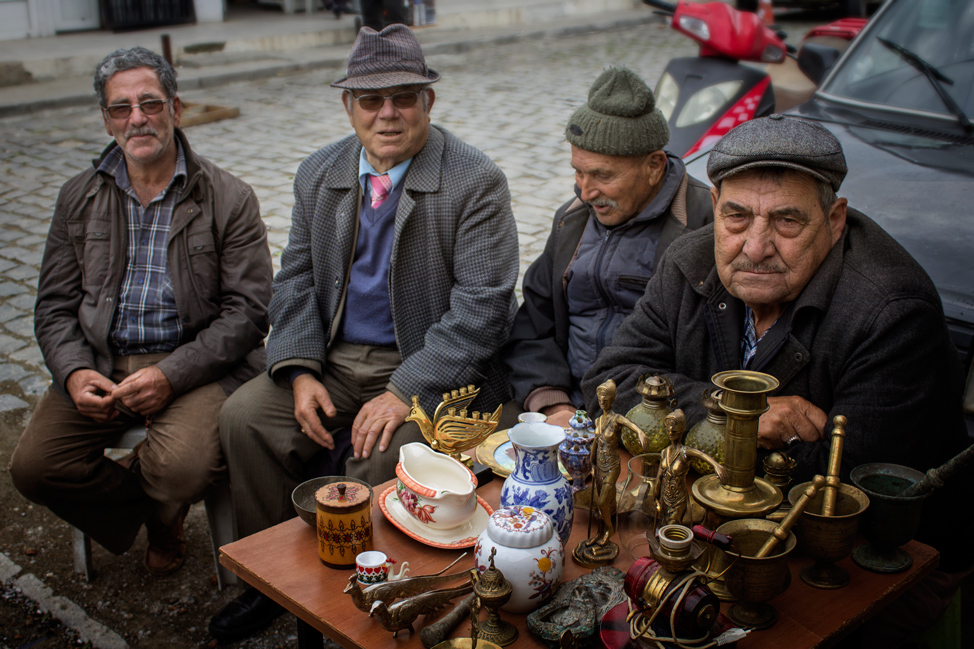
pixel 751 267
pixel 140 130
pixel 604 202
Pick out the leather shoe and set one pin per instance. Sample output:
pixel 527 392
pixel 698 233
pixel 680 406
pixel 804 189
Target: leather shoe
pixel 250 612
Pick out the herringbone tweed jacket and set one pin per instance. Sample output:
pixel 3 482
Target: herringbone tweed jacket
pixel 452 274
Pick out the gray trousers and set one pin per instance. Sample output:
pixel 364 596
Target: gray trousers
pixel 59 461
pixel 268 455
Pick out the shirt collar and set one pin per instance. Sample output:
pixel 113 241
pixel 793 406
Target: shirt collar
pixel 395 174
pixel 114 165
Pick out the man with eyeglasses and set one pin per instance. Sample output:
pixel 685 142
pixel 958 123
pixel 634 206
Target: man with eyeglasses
pixel 151 309
pixel 397 280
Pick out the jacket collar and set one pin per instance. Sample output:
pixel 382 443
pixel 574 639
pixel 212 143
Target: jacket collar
pixel 193 169
pixel 423 174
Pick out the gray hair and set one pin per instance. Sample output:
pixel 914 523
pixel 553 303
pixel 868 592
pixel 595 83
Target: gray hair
pixel 826 195
pixel 137 57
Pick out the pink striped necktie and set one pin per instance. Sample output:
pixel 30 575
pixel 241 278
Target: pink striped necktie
pixel 381 186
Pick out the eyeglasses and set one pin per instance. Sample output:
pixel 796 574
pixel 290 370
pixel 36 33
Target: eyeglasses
pixel 373 103
pixel 148 107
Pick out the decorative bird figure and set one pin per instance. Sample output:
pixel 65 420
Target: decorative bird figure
pixel 389 591
pixel 401 615
pixel 452 431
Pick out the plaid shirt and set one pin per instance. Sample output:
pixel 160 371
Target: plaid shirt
pixel 146 320
pixel 750 339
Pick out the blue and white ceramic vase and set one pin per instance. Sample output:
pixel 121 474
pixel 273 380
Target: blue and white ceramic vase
pixel 576 451
pixel 536 480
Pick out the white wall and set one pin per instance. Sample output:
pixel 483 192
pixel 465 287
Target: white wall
pixel 14 19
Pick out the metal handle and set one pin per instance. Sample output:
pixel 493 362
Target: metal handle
pixel 780 532
pixel 831 493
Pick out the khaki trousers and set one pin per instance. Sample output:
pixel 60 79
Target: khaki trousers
pixel 59 461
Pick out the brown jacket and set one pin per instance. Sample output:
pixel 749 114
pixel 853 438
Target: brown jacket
pixel 218 260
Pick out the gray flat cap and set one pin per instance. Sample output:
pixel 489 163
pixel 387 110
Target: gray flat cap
pixel 386 59
pixel 779 141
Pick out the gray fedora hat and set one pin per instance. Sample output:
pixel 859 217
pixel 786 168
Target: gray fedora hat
pixel 386 59
pixel 779 141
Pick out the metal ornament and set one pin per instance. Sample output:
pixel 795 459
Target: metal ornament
pixel 599 550
pixel 402 614
pixel 892 518
pixel 452 431
pixel 648 415
pixel 493 590
pixel 777 470
pixel 390 591
pixel 744 398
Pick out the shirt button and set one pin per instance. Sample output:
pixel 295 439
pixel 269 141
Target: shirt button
pixel 722 306
pixel 337 281
pixel 140 281
pixel 798 357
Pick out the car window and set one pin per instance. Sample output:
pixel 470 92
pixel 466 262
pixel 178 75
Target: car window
pixel 940 32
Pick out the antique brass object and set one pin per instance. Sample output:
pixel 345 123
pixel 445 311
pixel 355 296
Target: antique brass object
pixel 755 580
pixel 452 431
pixel 435 633
pixel 674 548
pixel 402 614
pixel 670 492
pixel 936 477
pixel 599 550
pixel 493 590
pixel 780 532
pixel 828 539
pixel 892 518
pixel 744 398
pixel 390 591
pixel 648 415
pixel 577 607
pixel 777 471
pixel 831 492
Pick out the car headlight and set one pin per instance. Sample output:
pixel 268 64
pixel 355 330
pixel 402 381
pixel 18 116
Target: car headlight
pixel 667 93
pixel 706 102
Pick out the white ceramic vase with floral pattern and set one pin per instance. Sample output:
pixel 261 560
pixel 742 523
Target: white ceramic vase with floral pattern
pixel 529 554
pixel 536 480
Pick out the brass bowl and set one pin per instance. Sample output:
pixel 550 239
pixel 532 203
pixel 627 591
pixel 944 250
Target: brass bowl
pixel 303 497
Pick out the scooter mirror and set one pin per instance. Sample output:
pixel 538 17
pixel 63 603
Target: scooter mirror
pixel 816 60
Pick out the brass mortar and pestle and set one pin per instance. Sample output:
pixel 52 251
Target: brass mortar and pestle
pixel 827 528
pixel 759 554
pixel 897 494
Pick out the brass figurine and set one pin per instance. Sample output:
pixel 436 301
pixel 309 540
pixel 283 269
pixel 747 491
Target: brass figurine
pixel 390 591
pixel 599 550
pixel 672 498
pixel 452 431
pixel 402 614
pixel 493 591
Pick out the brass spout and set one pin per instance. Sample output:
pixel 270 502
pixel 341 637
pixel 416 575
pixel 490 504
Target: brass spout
pixel 744 398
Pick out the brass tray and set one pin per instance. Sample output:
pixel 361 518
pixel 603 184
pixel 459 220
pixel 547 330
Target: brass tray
pixel 497 452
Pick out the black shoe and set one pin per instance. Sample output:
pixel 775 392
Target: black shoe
pixel 244 616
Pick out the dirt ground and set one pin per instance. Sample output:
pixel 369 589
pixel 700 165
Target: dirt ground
pixel 147 612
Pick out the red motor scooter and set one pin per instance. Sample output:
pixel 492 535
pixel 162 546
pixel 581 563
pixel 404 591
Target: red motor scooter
pixel 705 96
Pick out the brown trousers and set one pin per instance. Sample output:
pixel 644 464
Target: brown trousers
pixel 59 461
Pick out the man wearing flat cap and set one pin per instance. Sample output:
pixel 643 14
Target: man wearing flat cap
pixel 792 282
pixel 631 201
pixel 397 280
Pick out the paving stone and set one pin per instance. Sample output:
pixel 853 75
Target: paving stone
pixel 10 402
pixel 24 302
pixel 35 385
pixel 8 312
pixel 12 288
pixel 22 272
pixel 30 355
pixel 12 372
pixel 23 327
pixel 10 344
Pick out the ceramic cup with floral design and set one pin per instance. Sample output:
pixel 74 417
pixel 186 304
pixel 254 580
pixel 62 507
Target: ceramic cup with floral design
pixel 374 567
pixel 436 490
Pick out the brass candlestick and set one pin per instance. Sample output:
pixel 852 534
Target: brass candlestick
pixel 744 399
pixel 452 430
pixel 493 590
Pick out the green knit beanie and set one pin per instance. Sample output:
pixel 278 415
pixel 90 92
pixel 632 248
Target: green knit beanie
pixel 620 117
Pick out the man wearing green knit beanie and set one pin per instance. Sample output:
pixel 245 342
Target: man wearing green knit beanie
pixel 632 200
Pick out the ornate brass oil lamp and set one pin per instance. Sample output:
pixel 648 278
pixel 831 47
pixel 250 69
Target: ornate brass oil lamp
pixel 744 398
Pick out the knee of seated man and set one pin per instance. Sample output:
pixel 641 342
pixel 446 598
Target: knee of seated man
pixel 181 481
pixel 34 475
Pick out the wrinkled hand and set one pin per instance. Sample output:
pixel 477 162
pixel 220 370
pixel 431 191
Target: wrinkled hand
pixel 787 417
pixel 559 414
pixel 146 392
pixel 379 417
pixel 92 395
pixel 310 396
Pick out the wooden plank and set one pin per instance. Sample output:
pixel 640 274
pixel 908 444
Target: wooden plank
pixel 195 114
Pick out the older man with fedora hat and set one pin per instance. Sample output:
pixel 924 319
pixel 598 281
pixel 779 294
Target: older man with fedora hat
pixel 397 280
pixel 792 282
pixel 632 200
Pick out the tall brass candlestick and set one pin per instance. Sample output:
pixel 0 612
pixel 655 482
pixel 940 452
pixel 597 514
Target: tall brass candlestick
pixel 744 399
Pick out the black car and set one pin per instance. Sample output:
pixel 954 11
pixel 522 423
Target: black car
pixel 899 100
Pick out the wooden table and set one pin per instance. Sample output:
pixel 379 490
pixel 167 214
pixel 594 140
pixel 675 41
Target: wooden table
pixel 282 562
